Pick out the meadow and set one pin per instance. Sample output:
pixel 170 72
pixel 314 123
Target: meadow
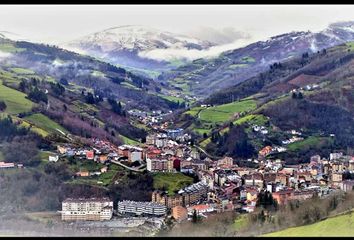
pixel 224 112
pixel 15 101
pixel 171 181
pixel 339 226
pixel 45 123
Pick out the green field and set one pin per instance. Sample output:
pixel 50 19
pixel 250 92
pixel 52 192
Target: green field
pixel 78 106
pixel 233 66
pixel 129 141
pixel 223 113
pixel 310 142
pixel 129 85
pixel 98 74
pixel 22 71
pixel 194 111
pixel 10 48
pixel 107 177
pixel 171 181
pixel 15 100
pixel 350 45
pixel 251 119
pixel 44 123
pixel 218 114
pixel 240 222
pixel 172 98
pixel 248 59
pixel 340 226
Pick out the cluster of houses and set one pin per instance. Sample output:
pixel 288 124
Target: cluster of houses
pixel 222 186
pixel 241 186
pixel 269 150
pixel 10 165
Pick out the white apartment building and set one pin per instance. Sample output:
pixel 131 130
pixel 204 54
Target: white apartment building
pixel 141 208
pixel 91 209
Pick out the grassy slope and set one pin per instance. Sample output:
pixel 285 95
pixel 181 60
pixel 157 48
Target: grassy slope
pixel 172 98
pixel 129 141
pixel 173 181
pixel 311 141
pixel 250 118
pixel 44 123
pixel 224 112
pixel 10 48
pixel 22 71
pixel 218 114
pixel 15 100
pixel 337 226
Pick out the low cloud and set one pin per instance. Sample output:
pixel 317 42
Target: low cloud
pixel 219 36
pixel 191 54
pixel 4 55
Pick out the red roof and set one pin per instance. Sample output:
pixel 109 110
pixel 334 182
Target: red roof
pixel 200 207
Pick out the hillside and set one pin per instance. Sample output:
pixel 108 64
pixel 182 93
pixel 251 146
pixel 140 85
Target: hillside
pixel 49 109
pixel 84 73
pixel 312 94
pixel 204 76
pixel 339 226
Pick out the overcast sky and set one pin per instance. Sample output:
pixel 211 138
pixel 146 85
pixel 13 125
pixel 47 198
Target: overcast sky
pixel 60 23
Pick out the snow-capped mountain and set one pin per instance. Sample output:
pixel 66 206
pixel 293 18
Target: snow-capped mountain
pixel 234 66
pixel 129 45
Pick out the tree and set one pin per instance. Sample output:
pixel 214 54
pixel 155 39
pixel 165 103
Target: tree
pixel 2 106
pixel 64 81
pixel 195 218
pixel 57 88
pixel 21 151
pixel 37 95
pixel 90 98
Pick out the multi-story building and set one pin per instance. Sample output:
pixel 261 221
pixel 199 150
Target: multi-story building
pixel 159 165
pixel 169 201
pixel 335 156
pixel 6 165
pixel 283 196
pixel 141 208
pixel 226 162
pixel 347 185
pixel 92 209
pixel 179 213
pixel 185 197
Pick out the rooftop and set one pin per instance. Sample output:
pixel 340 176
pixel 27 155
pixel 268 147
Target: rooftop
pixel 87 200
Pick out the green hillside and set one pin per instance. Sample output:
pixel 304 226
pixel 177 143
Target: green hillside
pixel 171 181
pixel 15 100
pixel 340 226
pixel 44 123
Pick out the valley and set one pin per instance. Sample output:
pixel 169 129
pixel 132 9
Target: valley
pixel 253 141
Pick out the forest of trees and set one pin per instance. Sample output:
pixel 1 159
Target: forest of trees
pixel 234 143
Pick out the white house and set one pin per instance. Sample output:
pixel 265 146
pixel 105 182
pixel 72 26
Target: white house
pixel 53 158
